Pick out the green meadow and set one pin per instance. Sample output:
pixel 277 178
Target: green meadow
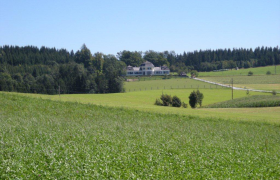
pixel 45 139
pixel 144 101
pixel 261 82
pixel 178 83
pixel 243 72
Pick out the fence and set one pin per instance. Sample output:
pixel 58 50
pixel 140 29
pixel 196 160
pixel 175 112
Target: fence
pixel 188 86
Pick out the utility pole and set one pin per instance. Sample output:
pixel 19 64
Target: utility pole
pixel 59 90
pixel 231 88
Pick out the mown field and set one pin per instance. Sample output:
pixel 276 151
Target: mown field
pixel 243 72
pixel 264 82
pixel 179 83
pixel 44 139
pixel 144 101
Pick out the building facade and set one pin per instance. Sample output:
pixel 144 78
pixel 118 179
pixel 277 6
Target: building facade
pixel 147 69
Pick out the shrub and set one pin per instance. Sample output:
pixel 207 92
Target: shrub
pixel 250 73
pixel 274 93
pixel 184 105
pixel 166 99
pixel 158 102
pixel 194 72
pixel 176 102
pixel 193 99
pixel 268 73
pixel 247 92
pixel 200 97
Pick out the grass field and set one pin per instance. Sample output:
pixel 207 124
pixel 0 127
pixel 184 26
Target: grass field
pixel 249 101
pixel 243 72
pixel 264 82
pixel 144 101
pixel 185 83
pixel 44 139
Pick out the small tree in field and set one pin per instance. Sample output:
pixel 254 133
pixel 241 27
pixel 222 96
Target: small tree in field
pixel 176 102
pixel 250 73
pixel 268 73
pixel 166 99
pixel 200 97
pixel 193 99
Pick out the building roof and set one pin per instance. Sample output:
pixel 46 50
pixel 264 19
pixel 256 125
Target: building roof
pixel 147 63
pixel 129 68
pixel 164 68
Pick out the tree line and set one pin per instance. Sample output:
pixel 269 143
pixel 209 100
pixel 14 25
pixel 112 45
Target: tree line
pixel 48 70
pixel 205 60
pixel 51 71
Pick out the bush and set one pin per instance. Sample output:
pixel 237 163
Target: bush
pixel 158 102
pixel 184 105
pixel 268 73
pixel 195 98
pixel 166 99
pixel 200 97
pixel 176 102
pixel 250 73
pixel 194 72
pixel 274 93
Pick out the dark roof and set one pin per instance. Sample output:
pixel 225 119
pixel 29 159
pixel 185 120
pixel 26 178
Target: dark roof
pixel 129 68
pixel 164 68
pixel 147 63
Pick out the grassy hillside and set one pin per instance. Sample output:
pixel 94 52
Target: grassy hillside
pixel 249 101
pixel 264 82
pixel 144 101
pixel 180 83
pixel 243 72
pixel 272 79
pixel 43 139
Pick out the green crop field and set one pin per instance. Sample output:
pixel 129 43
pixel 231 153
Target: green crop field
pixel 243 72
pixel 44 139
pixel 264 82
pixel 180 83
pixel 144 101
pixel 249 101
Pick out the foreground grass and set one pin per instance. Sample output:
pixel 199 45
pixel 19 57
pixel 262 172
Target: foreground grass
pixel 250 101
pixel 65 140
pixel 243 72
pixel 144 101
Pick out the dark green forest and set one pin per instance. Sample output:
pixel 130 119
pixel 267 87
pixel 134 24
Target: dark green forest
pixel 45 70
pixel 51 71
pixel 207 60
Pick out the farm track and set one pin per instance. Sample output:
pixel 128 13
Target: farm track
pixel 235 88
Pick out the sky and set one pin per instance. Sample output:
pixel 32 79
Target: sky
pixel 111 26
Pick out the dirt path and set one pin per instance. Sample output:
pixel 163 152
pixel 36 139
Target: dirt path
pixel 235 88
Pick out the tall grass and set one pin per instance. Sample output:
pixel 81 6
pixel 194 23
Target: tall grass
pixel 44 139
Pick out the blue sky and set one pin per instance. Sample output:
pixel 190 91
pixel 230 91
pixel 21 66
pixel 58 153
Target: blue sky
pixel 110 26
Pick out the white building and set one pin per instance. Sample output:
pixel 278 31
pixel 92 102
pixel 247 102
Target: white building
pixel 147 69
